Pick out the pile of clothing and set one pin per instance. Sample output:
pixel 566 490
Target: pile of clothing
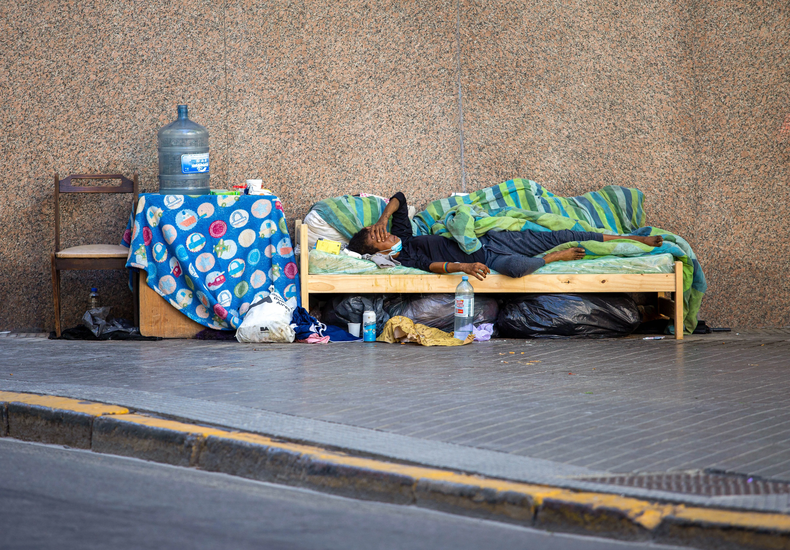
pixel 275 319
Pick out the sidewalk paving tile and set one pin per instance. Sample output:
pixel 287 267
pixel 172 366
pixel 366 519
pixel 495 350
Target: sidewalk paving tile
pixel 624 405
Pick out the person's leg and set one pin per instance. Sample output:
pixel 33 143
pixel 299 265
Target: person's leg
pixel 656 240
pixel 532 243
pixel 513 265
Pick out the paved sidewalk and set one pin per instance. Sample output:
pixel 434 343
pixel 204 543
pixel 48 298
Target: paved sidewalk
pixel 564 412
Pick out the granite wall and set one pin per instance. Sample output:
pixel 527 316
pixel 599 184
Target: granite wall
pixel 681 99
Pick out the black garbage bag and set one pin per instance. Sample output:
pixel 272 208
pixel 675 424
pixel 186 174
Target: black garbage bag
pixel 98 325
pixel 438 310
pixel 99 322
pixel 568 315
pixel 344 309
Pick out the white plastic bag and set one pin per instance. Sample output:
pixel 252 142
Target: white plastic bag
pixel 268 320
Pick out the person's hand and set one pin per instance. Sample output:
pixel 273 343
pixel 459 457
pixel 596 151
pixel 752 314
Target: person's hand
pixel 379 233
pixel 476 270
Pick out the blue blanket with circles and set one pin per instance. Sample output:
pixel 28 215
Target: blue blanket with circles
pixel 212 256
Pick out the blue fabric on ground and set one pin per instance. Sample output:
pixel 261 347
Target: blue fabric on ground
pixel 305 325
pixel 337 334
pixel 212 256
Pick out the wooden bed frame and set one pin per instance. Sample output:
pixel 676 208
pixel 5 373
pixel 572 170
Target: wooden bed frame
pixel 662 283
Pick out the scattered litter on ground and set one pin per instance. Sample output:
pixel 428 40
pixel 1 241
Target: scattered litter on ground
pixel 653 338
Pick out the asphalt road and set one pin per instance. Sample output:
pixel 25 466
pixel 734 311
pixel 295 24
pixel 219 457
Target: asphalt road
pixel 52 497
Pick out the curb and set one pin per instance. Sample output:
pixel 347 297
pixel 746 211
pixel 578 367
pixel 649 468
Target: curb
pixel 116 430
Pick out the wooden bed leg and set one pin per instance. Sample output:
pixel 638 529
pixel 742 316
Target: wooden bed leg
pixel 679 300
pixel 304 255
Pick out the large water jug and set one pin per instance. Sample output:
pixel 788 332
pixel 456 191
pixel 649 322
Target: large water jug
pixel 183 157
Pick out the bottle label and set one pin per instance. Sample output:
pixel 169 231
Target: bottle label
pixel 369 332
pixel 464 307
pixel 194 164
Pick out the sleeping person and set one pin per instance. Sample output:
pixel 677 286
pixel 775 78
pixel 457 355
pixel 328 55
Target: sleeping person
pixel 508 252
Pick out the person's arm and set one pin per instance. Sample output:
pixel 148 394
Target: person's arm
pixel 379 229
pixel 401 225
pixel 475 269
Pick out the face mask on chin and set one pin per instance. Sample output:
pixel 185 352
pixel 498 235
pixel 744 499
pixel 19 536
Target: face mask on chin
pixel 396 248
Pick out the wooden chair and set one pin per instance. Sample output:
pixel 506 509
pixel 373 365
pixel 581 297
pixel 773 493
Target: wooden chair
pixel 90 256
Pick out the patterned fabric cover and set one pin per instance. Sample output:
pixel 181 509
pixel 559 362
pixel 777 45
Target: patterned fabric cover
pixel 212 256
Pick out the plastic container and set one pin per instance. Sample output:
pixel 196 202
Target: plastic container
pixel 354 328
pixel 369 326
pixel 464 309
pixel 183 157
pixel 93 300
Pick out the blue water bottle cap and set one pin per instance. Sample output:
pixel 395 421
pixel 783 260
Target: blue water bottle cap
pixel 464 278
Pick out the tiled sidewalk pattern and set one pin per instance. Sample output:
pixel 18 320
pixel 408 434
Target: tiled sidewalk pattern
pixel 625 405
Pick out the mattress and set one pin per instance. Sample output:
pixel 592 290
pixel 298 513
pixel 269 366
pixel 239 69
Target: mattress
pixel 323 263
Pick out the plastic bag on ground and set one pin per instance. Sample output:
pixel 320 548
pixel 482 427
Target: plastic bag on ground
pixel 568 315
pixel 104 327
pixel 438 310
pixel 483 332
pixel 345 309
pixel 268 320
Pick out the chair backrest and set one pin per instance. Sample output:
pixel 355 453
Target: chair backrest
pixel 66 185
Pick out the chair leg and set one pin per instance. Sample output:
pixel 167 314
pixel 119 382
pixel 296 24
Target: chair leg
pixel 56 295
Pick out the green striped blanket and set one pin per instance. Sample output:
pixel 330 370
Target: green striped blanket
pixel 516 205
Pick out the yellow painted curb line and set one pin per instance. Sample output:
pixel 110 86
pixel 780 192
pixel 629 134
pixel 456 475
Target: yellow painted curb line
pixel 62 403
pixel 646 514
pixel 173 425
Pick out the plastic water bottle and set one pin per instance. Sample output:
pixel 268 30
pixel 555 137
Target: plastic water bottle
pixel 183 157
pixel 464 309
pixel 93 301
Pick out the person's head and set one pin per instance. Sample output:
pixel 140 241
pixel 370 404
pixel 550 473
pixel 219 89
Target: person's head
pixel 364 243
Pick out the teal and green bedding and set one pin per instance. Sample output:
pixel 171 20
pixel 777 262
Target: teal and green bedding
pixel 324 263
pixel 519 204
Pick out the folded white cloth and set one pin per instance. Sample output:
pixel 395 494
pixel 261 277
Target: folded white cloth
pixel 381 260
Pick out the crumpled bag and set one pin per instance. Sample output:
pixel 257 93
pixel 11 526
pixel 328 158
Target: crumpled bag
pixel 268 320
pixel 97 321
pixel 568 315
pixel 438 310
pixel 402 330
pixel 484 332
pixel 343 310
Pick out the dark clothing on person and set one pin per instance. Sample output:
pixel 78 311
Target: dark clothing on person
pixel 508 252
pixel 423 250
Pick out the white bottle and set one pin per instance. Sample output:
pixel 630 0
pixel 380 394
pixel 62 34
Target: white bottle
pixel 464 309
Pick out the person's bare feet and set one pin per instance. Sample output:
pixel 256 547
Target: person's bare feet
pixel 655 240
pixel 564 255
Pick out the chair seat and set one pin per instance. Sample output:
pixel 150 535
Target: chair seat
pixel 94 251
